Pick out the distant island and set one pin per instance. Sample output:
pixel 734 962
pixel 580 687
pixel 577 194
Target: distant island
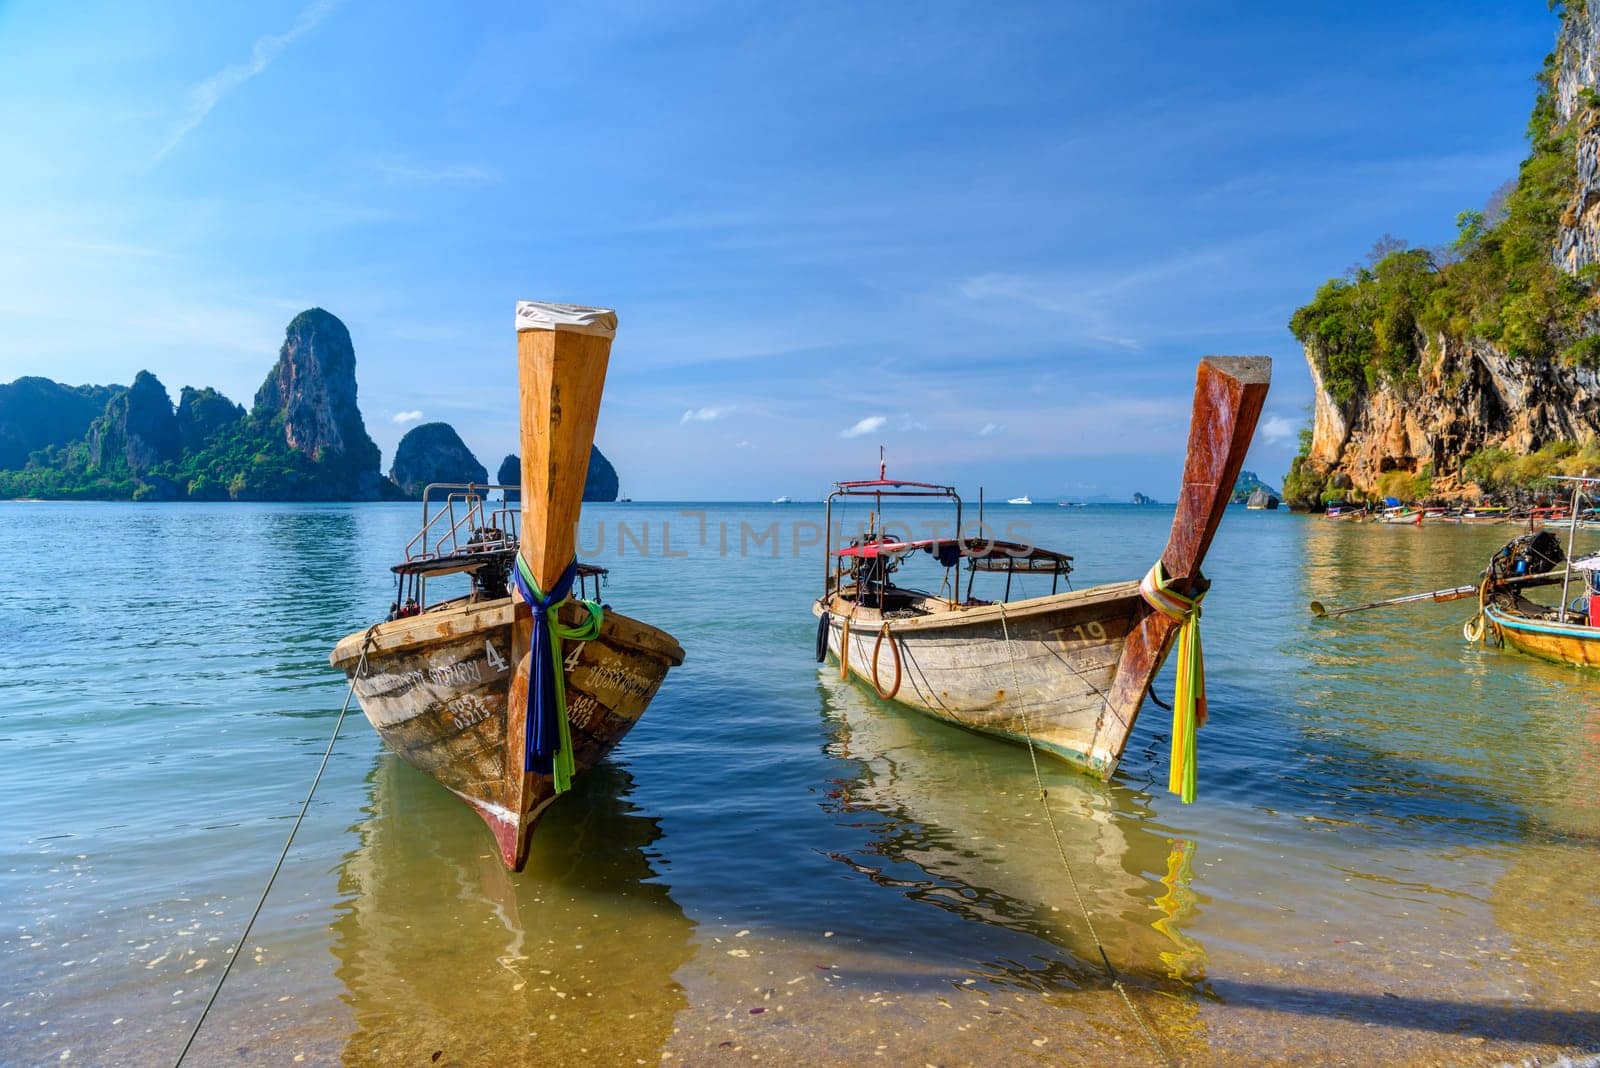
pixel 1246 486
pixel 303 438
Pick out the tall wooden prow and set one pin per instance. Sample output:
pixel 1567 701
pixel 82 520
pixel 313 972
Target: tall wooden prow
pixel 1229 392
pixel 562 353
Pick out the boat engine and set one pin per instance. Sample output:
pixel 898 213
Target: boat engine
pixel 1530 554
pixel 490 579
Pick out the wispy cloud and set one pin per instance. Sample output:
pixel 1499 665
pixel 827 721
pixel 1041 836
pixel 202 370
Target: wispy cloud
pixel 402 171
pixel 990 429
pixel 1276 428
pixel 406 417
pixel 205 95
pixel 703 415
pixel 865 426
pixel 907 423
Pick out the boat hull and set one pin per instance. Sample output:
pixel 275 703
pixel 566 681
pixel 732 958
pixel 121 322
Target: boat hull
pixel 1049 670
pixel 435 687
pixel 1563 643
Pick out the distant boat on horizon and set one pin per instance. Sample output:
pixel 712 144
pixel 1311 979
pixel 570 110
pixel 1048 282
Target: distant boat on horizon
pixel 1019 500
pixel 781 500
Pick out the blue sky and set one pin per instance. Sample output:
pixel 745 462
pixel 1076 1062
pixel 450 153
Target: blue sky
pixel 994 238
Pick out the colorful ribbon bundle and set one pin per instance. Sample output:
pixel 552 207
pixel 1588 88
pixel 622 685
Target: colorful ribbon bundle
pixel 548 735
pixel 1189 703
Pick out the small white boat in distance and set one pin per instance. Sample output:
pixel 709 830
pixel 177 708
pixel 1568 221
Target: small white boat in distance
pixel 1019 500
pixel 781 500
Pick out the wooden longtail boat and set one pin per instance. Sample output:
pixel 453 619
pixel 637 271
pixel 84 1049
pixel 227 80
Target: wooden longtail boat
pixel 446 685
pixel 1566 633
pixel 1066 672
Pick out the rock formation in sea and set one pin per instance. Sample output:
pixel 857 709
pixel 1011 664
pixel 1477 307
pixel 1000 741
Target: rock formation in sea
pixel 202 415
pixel 309 397
pixel 1260 498
pixel 600 481
pixel 510 474
pixel 1431 367
pixel 36 413
pixel 137 432
pixel 1247 484
pixel 304 439
pixel 434 452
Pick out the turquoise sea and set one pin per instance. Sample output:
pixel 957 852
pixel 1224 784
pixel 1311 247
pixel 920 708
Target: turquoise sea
pixel 1395 854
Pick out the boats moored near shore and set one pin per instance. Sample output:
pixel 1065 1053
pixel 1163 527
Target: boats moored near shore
pixel 1567 632
pixel 1064 673
pixel 500 699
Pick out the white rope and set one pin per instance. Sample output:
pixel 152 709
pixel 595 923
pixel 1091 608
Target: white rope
pixel 1061 851
pixel 238 946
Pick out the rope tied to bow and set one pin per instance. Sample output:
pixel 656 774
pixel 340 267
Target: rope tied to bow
pixel 548 735
pixel 1189 700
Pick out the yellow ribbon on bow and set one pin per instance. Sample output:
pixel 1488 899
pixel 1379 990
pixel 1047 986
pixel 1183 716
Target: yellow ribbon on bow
pixel 1189 702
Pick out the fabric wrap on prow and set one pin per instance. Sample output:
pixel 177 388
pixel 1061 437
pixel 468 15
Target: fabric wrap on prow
pixel 571 318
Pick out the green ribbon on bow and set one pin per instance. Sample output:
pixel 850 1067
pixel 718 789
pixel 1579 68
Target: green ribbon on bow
pixel 547 675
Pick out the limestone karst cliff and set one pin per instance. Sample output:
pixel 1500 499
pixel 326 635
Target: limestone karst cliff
pixel 510 474
pixel 137 431
pixel 434 452
pixel 310 394
pixel 202 415
pixel 304 439
pixel 36 414
pixel 1427 360
pixel 600 481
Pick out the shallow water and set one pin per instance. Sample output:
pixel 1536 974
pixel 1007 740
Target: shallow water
pixel 1394 855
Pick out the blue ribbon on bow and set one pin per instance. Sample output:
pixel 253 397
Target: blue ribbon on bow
pixel 548 736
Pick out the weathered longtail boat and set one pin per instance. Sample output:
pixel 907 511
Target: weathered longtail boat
pixel 1567 633
pixel 1068 672
pixel 502 706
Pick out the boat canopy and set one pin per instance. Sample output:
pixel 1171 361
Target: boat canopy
pixel 893 487
pixel 985 555
pixel 1587 563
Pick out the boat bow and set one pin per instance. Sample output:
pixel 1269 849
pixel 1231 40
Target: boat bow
pixel 1228 395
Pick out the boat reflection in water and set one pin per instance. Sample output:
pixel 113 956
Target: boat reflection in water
pixel 440 948
pixel 964 812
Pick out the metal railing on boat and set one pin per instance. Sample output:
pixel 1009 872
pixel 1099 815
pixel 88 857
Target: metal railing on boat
pixel 455 538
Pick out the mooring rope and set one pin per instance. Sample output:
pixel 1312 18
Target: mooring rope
pixel 1061 851
pixel 877 648
pixel 361 665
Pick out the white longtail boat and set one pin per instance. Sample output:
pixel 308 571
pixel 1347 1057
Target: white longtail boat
pixel 1068 672
pixel 447 686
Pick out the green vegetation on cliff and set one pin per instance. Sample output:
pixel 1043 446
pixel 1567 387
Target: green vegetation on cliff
pixel 36 413
pixel 1502 472
pixel 1498 281
pixel 245 459
pixel 304 438
pixel 1246 484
